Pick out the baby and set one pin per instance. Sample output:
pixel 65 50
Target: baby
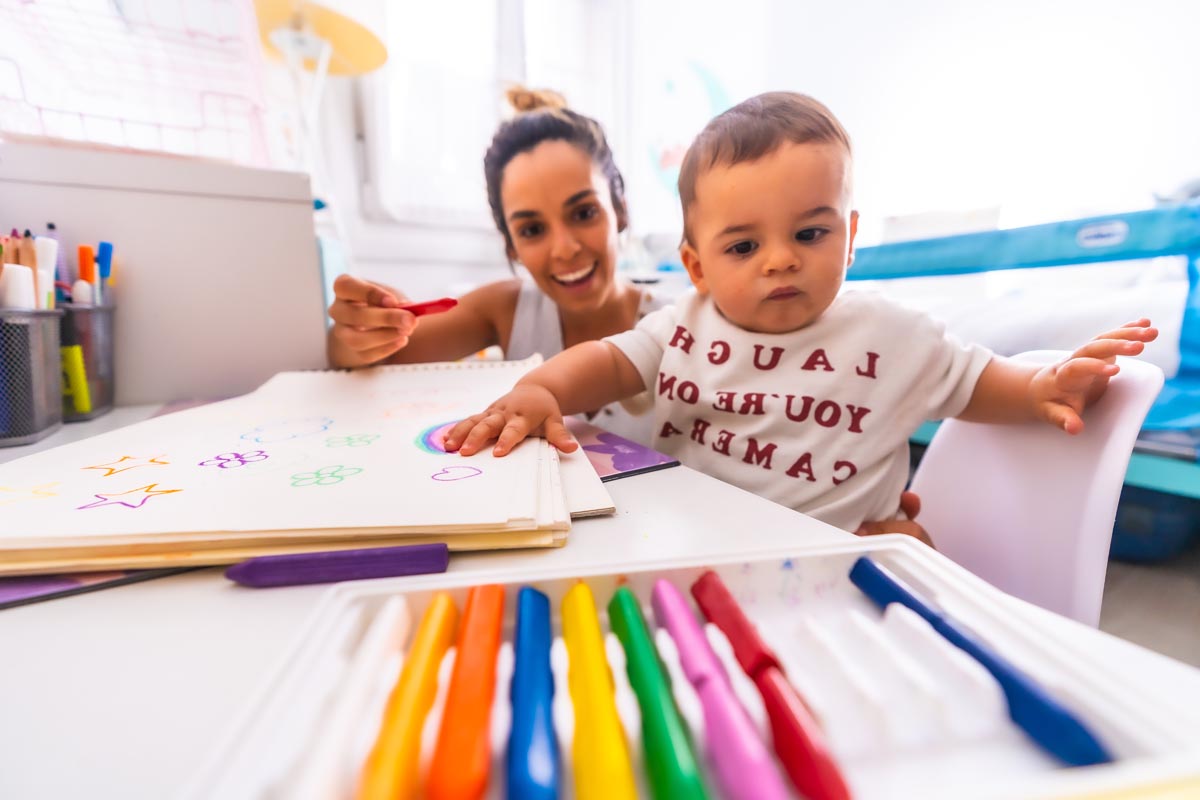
pixel 771 377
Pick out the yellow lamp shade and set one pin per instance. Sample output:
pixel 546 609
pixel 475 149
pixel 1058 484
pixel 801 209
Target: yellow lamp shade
pixel 302 27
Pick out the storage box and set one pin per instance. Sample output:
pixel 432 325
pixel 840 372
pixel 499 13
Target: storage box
pixel 1153 526
pixel 896 729
pixel 30 381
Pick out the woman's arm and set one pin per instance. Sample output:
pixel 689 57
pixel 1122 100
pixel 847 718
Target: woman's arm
pixel 369 326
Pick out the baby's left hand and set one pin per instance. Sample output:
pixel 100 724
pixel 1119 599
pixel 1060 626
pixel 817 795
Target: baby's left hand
pixel 1061 391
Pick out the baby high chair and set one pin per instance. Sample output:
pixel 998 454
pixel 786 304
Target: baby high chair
pixel 1027 507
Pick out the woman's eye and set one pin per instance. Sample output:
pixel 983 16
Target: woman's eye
pixel 810 234
pixel 531 230
pixel 742 248
pixel 584 213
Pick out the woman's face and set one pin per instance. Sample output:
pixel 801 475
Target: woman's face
pixel 559 212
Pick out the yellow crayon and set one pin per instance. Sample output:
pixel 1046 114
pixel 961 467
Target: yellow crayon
pixel 391 768
pixel 600 752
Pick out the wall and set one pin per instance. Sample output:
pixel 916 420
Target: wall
pixel 1044 109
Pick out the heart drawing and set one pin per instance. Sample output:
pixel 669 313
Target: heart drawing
pixel 456 473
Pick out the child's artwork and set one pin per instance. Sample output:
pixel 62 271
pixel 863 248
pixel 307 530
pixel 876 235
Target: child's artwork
pixel 614 456
pixel 308 457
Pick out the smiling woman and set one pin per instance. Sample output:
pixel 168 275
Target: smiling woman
pixel 558 200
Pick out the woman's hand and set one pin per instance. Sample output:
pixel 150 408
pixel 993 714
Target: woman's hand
pixel 368 324
pixel 910 505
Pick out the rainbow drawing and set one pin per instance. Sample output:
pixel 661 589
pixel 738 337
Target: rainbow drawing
pixel 433 440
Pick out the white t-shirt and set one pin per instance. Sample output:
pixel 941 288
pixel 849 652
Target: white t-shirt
pixel 537 328
pixel 817 419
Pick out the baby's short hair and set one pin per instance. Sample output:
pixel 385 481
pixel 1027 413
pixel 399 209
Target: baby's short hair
pixel 752 129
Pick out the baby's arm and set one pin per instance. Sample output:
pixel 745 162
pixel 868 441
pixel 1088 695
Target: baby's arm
pixel 584 377
pixel 1009 391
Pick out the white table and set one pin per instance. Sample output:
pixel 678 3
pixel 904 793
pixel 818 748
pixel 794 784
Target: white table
pixel 123 692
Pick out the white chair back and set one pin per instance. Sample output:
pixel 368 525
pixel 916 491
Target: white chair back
pixel 1027 507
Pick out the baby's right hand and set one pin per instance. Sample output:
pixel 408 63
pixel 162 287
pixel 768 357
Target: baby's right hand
pixel 368 324
pixel 529 409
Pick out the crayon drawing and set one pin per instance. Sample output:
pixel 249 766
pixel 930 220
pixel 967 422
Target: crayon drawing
pixel 456 473
pixel 126 463
pixel 352 440
pixel 433 440
pixel 325 476
pixel 134 498
pixel 10 495
pixel 234 460
pixel 288 429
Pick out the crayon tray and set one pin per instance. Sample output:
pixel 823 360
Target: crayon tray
pixel 906 714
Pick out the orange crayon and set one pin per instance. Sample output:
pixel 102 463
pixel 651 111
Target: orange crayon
pixel 462 757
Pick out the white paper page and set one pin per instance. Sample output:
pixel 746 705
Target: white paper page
pixel 307 451
pixel 586 495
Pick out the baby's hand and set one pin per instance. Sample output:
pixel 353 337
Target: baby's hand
pixel 1061 391
pixel 529 409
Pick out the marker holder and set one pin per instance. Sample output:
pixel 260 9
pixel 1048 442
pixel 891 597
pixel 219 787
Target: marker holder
pixel 88 381
pixel 30 380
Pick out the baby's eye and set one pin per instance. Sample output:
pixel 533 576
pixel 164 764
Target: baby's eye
pixel 743 248
pixel 810 234
pixel 585 213
pixel 531 230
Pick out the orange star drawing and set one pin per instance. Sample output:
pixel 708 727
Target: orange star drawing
pixel 11 494
pixel 136 497
pixel 129 462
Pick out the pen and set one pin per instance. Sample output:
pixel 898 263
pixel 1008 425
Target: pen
pixel 1051 725
pixel 670 760
pixel 600 753
pixel 744 767
pixel 295 569
pixel 87 274
pixel 430 306
pixel 796 736
pixel 391 769
pixel 462 756
pixel 533 760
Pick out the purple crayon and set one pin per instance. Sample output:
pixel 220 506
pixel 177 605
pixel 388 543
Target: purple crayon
pixel 331 566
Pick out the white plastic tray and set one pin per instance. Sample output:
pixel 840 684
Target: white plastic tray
pixel 907 714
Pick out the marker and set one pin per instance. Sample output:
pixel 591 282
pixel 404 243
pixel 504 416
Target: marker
pixel 534 766
pixel 295 569
pixel 796 736
pixel 1050 724
pixel 87 272
pixel 46 250
pixel 392 768
pixel 462 757
pixel 75 383
pixel 744 768
pixel 670 761
pixel 600 752
pixel 430 307
pixel 104 254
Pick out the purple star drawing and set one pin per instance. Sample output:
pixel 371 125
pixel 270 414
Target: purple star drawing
pixel 136 497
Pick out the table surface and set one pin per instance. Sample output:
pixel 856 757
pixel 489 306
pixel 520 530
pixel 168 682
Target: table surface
pixel 124 692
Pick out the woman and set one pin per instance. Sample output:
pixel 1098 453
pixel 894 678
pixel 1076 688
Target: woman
pixel 558 200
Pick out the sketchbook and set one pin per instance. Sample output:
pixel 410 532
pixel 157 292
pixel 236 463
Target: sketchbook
pixel 309 461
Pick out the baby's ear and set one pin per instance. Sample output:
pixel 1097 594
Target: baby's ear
pixel 691 262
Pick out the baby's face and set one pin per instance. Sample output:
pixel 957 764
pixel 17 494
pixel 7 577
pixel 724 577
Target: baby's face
pixel 771 239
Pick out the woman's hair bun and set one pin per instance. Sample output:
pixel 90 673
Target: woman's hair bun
pixel 523 99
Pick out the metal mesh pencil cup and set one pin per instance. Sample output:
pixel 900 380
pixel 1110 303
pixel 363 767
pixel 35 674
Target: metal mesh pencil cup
pixel 87 361
pixel 30 379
